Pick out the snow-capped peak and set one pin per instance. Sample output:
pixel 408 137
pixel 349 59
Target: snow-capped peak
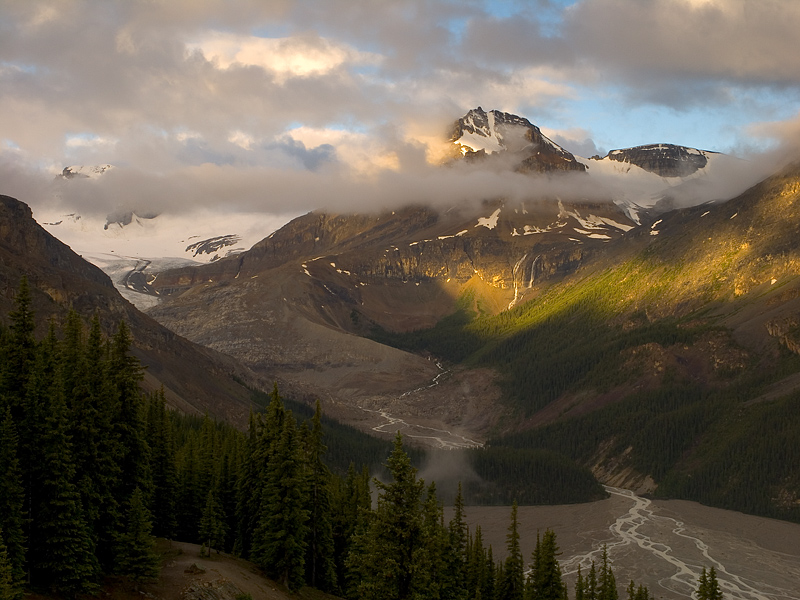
pixel 84 171
pixel 497 131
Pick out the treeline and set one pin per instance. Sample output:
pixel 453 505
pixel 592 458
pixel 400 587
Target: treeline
pixel 713 446
pixel 77 469
pixel 403 549
pixel 92 469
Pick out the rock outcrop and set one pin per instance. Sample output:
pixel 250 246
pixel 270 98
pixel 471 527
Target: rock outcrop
pixel 666 160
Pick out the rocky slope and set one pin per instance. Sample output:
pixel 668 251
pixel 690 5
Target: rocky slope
pixel 196 379
pixel 665 160
pixel 300 301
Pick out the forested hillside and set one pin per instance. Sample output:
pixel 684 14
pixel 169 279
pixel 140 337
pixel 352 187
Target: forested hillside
pixel 668 365
pixel 93 468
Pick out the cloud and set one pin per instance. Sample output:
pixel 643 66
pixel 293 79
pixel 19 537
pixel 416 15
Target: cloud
pixel 350 102
pixel 300 56
pixel 737 41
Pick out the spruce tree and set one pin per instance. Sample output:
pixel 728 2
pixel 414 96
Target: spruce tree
pixel 385 563
pixel 136 554
pixel 457 547
pixel 12 496
pixel 431 570
pixel 248 487
pixel 125 373
pixel 591 584
pixel 320 565
pixel 279 541
pixel 20 358
pixel 512 585
pixel 708 587
pixel 544 581
pixel 163 466
pixel 213 529
pixel 61 550
pixel 580 586
pixel 8 588
pixel 476 572
pixel 489 588
pixel 607 583
pixel 189 505
pixel 352 519
pixel 103 464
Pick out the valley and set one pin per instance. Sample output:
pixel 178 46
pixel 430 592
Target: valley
pixel 619 313
pixel 295 295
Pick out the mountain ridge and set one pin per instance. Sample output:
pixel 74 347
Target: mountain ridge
pixel 196 380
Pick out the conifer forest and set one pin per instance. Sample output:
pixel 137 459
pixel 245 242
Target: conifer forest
pixel 93 470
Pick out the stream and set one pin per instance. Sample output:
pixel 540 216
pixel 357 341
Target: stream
pixel 636 528
pixel 441 438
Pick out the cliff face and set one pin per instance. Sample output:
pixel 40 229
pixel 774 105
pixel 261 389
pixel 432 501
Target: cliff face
pixel 510 248
pixel 666 160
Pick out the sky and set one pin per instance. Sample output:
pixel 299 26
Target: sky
pixel 282 106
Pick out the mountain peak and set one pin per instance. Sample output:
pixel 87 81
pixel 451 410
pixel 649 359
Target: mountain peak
pixel 480 133
pixel 666 160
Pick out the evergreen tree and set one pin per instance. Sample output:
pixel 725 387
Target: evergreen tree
pixel 163 466
pixel 212 524
pixel 137 558
pixel 457 547
pixel 61 551
pixel 708 587
pixel 263 434
pixel 476 571
pixel 20 357
pixel 249 486
pixel 125 373
pixel 320 565
pixel 544 581
pixel 591 592
pixel 8 588
pixel 512 585
pixel 607 583
pixel 102 463
pixel 352 516
pixel 12 496
pixel 385 564
pixel 580 586
pixel 431 580
pixel 189 506
pixel 226 485
pixel 489 588
pixel 279 542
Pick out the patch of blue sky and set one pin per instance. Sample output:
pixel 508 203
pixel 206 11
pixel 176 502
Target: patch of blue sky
pixel 17 67
pixel 548 13
pixel 717 126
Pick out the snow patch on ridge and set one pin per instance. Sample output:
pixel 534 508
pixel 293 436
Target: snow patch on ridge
pixel 489 222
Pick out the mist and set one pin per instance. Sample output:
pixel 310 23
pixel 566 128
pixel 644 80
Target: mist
pixel 334 188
